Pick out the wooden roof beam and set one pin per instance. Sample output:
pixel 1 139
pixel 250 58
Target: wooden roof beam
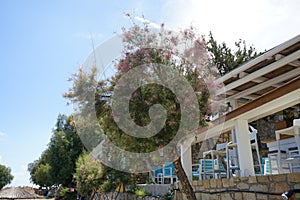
pixel 279 99
pixel 271 82
pixel 259 79
pixel 234 92
pixel 266 56
pixel 262 71
pixel 295 63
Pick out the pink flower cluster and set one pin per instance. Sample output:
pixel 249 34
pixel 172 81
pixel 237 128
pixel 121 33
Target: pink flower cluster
pixel 184 50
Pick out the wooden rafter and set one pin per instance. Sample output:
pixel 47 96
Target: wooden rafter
pixel 266 56
pixel 270 82
pixel 262 71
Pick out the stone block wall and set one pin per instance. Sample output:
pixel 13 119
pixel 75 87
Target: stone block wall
pixel 155 189
pixel 257 187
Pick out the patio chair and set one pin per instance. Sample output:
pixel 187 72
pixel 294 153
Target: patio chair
pixel 275 158
pixel 196 171
pixel 285 160
pixel 220 151
pixel 157 174
pixel 219 169
pixel 208 169
pixel 232 159
pixel 254 145
pixel 169 172
pixel 293 156
pixel 216 155
pixel 265 166
pixel 232 153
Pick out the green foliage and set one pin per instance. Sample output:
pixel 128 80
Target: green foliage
pixel 42 175
pixel 5 176
pixel 141 192
pixel 33 167
pixel 63 150
pixel 137 41
pixel 91 176
pixel 57 163
pixel 66 193
pixel 184 53
pixel 88 175
pixel 227 59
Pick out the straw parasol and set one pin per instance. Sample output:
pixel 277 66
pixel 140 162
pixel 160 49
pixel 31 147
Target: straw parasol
pixel 16 193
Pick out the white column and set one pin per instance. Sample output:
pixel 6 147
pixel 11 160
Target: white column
pixel 244 148
pixel 186 157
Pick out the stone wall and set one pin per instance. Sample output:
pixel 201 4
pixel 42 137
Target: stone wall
pixel 245 188
pixel 122 196
pixel 266 131
pixel 155 189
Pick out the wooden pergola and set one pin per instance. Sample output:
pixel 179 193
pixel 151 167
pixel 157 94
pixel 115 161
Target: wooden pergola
pixel 262 86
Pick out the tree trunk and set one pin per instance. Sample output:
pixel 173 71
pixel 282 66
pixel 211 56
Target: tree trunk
pixel 187 188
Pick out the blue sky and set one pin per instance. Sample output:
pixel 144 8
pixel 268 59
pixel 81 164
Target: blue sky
pixel 43 42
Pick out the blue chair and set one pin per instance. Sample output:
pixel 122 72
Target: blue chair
pixel 208 169
pixel 219 169
pixel 196 171
pixel 204 169
pixel 265 166
pixel 158 174
pixel 169 172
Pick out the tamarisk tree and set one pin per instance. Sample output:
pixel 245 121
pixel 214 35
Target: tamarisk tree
pixel 163 83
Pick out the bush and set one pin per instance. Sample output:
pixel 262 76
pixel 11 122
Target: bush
pixel 67 194
pixel 141 192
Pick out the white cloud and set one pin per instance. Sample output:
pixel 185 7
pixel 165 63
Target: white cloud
pixel 0 159
pixel 152 24
pixel 21 177
pixel 2 135
pixel 261 23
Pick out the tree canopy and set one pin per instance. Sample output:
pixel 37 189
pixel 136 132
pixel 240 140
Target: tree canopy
pixel 91 176
pixel 42 175
pixel 156 68
pixel 225 58
pixel 5 176
pixel 57 163
pixel 171 59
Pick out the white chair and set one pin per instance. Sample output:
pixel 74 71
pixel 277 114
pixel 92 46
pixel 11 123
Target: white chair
pixel 232 159
pixel 232 152
pixel 220 151
pixel 254 145
pixel 294 158
pixel 275 158
pixel 283 161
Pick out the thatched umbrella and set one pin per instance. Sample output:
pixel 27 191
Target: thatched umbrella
pixel 16 193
